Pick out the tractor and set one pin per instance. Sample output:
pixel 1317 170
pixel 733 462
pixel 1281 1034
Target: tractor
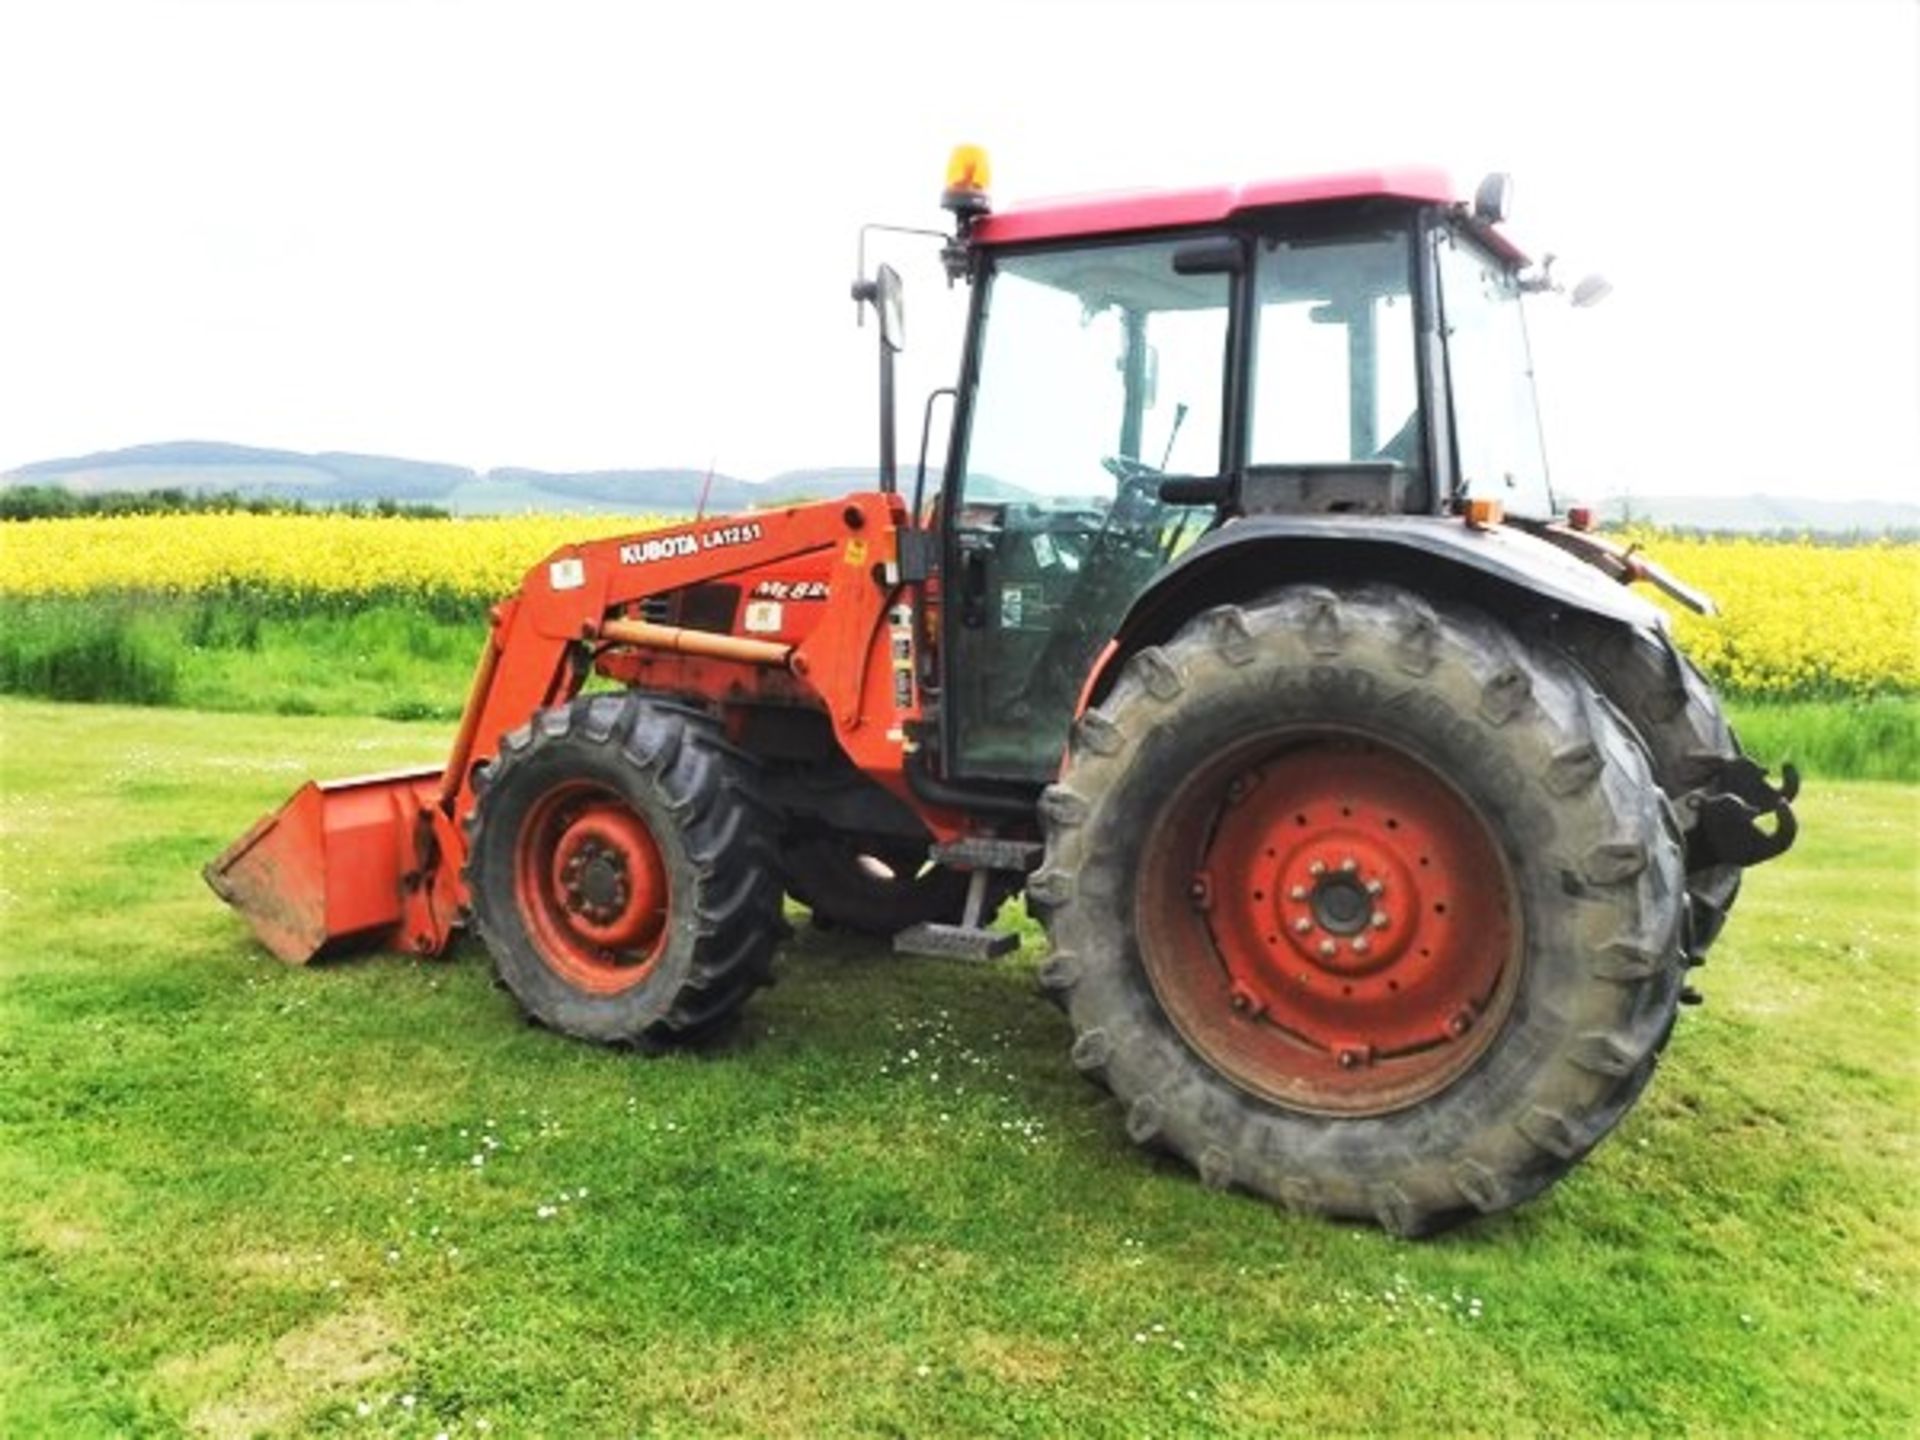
pixel 1374 821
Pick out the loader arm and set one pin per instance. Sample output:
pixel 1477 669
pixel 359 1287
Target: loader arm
pixel 570 607
pixel 377 861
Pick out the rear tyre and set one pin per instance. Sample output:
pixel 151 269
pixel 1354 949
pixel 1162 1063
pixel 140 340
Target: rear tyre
pixel 879 885
pixel 621 871
pixel 1676 714
pixel 1361 904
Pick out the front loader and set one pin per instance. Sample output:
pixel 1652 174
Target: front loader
pixel 1375 823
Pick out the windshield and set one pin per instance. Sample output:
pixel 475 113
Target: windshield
pixel 1495 425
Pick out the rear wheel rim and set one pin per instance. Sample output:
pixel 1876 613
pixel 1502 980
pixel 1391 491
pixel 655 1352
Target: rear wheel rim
pixel 591 884
pixel 1329 923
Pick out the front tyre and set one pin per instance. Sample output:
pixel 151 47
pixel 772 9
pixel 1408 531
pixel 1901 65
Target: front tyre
pixel 1362 904
pixel 620 865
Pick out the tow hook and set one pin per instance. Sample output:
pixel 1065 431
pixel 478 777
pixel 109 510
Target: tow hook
pixel 1736 797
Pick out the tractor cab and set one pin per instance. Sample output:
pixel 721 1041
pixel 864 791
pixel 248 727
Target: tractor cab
pixel 1140 372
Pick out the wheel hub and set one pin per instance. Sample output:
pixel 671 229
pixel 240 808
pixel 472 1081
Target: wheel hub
pixel 595 878
pixel 1341 905
pixel 608 876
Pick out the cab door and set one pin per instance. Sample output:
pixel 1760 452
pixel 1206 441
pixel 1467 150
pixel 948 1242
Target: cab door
pixel 1096 371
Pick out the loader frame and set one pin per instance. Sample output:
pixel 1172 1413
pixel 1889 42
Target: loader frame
pixel 319 875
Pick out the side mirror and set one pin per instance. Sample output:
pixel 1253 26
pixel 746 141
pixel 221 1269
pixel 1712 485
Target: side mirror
pixel 1493 201
pixel 889 300
pixel 887 295
pixel 1591 291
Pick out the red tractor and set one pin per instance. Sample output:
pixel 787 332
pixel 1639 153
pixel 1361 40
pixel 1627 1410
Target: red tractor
pixel 1374 822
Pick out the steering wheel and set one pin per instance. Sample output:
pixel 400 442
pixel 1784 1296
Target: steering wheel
pixel 1139 490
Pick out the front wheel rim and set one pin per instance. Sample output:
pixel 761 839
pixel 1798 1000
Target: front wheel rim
pixel 1329 923
pixel 591 885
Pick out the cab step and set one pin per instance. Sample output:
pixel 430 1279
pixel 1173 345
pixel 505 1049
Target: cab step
pixel 954 942
pixel 984 852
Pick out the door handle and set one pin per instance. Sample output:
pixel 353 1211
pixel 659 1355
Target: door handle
pixel 973 588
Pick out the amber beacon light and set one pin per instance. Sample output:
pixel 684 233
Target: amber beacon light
pixel 968 176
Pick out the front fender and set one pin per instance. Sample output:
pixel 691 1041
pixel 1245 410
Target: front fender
pixel 1505 570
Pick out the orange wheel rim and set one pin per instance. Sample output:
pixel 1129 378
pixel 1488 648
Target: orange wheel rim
pixel 1329 923
pixel 590 881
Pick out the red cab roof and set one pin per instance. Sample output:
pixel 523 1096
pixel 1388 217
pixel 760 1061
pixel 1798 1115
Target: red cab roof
pixel 1209 205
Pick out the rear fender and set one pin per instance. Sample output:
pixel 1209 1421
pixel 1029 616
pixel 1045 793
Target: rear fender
pixel 1504 570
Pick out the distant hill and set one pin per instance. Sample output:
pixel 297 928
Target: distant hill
pixel 328 478
pixel 1762 513
pixel 342 478
pixel 339 478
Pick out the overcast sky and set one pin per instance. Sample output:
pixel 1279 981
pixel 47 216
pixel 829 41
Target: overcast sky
pixel 572 236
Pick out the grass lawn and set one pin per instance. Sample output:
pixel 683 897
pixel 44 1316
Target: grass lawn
pixel 409 661
pixel 366 1198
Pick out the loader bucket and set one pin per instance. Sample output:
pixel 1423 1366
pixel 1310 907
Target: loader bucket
pixel 328 870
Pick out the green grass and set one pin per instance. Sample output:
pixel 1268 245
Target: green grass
pixel 383 658
pixel 406 661
pixel 238 1197
pixel 1867 739
pixel 64 650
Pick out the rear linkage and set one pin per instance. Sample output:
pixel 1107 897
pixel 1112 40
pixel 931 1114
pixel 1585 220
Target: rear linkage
pixel 1731 805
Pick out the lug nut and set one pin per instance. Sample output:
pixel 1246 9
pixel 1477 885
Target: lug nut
pixel 1318 867
pixel 1374 887
pixel 1302 925
pixel 1298 892
pixel 1327 948
pixel 1349 864
pixel 1379 921
pixel 1360 946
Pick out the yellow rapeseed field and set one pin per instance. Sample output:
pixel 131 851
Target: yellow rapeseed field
pixel 1796 618
pixel 1800 619
pixel 343 556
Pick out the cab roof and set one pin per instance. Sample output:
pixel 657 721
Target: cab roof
pixel 1116 213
